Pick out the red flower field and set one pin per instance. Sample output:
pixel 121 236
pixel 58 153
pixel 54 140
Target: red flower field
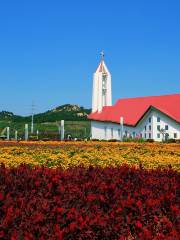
pixel 112 203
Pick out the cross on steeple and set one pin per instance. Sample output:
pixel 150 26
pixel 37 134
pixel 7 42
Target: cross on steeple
pixel 102 56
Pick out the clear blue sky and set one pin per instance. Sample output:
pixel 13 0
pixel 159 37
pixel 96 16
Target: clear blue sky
pixel 50 49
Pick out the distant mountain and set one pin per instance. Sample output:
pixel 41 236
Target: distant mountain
pixel 64 112
pixel 5 115
pixel 9 116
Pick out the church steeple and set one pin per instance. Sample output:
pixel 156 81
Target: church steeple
pixel 102 95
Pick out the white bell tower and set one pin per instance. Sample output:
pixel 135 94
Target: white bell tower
pixel 102 95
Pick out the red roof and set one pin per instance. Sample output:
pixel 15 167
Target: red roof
pixel 133 109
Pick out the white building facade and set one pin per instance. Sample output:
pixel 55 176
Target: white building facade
pixel 149 127
pixel 156 118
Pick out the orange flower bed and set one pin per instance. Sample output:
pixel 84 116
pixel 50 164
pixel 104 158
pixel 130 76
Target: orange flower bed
pixel 97 154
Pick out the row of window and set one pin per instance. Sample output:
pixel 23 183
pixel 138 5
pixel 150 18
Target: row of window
pixel 149 135
pixel 146 135
pixel 159 135
pixel 119 133
pixel 158 127
pixel 112 133
pixel 146 127
pixel 158 119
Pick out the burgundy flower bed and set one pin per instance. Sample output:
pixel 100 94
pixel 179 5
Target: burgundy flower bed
pixel 94 203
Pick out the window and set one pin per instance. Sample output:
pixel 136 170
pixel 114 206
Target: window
pixel 126 133
pixel 158 127
pixel 175 135
pixel 105 132
pixel 150 135
pixel 134 134
pixel 149 119
pixel 145 135
pixel 141 135
pixel 150 127
pixel 166 136
pixel 112 133
pixel 158 119
pixel 145 128
pixel 158 135
pixel 119 133
pixel 104 81
pixel 166 127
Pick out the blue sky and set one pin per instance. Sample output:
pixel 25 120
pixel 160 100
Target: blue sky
pixel 50 49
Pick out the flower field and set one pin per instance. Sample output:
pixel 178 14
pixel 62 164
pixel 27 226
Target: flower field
pixel 101 154
pixel 123 191
pixel 111 203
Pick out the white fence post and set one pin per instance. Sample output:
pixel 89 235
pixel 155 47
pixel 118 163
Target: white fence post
pixel 62 130
pixel 121 123
pixel 8 133
pixel 26 132
pixel 16 135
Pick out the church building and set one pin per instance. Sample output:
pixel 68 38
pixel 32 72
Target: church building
pixel 150 117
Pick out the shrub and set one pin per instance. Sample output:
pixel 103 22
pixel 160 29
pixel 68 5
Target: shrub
pixel 126 139
pixel 112 140
pixel 140 140
pixel 104 140
pixel 171 140
pixel 150 140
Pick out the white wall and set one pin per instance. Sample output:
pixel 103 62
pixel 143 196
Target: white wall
pixel 173 126
pixel 98 128
pixel 97 97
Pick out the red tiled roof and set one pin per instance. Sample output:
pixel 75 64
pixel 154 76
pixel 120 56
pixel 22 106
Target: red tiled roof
pixel 133 109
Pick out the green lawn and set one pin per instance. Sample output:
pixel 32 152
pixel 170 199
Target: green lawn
pixel 79 129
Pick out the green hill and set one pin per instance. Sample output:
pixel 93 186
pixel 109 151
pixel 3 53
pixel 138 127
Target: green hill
pixel 76 123
pixel 7 116
pixel 65 112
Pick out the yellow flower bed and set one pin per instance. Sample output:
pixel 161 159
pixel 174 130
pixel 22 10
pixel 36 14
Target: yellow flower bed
pixel 102 154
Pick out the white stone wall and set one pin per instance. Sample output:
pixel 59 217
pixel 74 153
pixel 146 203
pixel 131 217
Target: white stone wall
pixel 108 130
